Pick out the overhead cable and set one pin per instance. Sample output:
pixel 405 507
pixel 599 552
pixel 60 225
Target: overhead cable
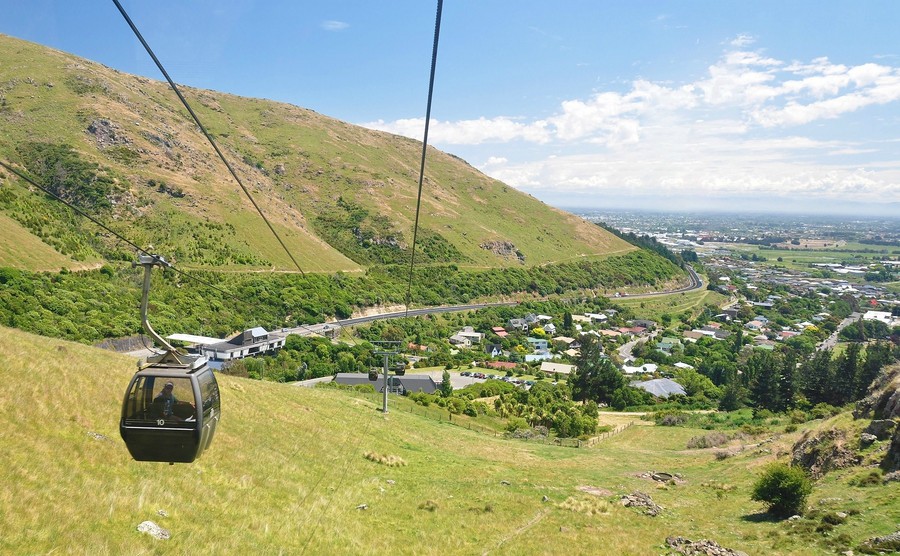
pixel 119 236
pixel 205 133
pixel 434 51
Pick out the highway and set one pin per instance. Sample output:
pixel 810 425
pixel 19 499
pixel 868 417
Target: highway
pixel 329 328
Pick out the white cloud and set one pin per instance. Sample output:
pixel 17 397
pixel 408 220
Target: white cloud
pixel 735 131
pixel 332 25
pixel 466 132
pixel 742 40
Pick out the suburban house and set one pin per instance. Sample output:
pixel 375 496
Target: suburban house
pixel 881 316
pixel 460 341
pixel 660 387
pixel 469 332
pixel 693 335
pixel 596 317
pixel 645 368
pixel 557 368
pixel 254 341
pixel 493 350
pixel 715 332
pixel 502 365
pixel 396 384
pixel 667 344
pixel 540 350
pixel 500 331
pixel 537 344
pixel 517 324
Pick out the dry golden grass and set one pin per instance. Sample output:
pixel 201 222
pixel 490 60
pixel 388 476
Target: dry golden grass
pixel 389 460
pixel 285 475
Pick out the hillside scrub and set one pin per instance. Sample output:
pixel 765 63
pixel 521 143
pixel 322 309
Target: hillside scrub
pixel 783 488
pixel 90 306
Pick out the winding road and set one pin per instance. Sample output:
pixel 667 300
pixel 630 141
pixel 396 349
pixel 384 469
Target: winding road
pixel 329 328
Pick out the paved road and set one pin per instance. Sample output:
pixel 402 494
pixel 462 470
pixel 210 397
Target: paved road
pixel 831 341
pixel 331 327
pixel 696 284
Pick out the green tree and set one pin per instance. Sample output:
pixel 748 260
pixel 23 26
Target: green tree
pixel 596 378
pixel 877 356
pixel 816 378
pixel 846 373
pixel 765 380
pixel 733 393
pixel 446 385
pixel 568 322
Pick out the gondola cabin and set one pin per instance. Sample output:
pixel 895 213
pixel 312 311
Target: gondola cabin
pixel 171 409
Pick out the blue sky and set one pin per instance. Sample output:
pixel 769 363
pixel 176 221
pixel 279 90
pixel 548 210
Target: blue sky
pixel 787 105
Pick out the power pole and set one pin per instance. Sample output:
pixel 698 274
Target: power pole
pixel 386 352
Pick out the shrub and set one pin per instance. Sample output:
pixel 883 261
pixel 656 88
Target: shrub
pixel 784 488
pixel 515 424
pixel 797 416
pixel 823 411
pixel 710 440
pixel 872 478
pixel 670 418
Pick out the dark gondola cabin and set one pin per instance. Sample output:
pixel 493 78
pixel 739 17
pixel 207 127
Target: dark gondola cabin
pixel 171 409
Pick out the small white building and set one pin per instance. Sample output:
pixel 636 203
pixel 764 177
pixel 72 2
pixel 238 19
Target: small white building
pixel 881 316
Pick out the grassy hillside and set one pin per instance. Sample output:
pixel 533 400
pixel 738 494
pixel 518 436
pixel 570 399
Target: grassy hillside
pixel 287 472
pixel 343 197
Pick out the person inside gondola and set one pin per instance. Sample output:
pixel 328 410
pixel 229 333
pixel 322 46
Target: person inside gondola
pixel 164 403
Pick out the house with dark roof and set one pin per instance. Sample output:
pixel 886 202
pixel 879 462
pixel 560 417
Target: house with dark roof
pixel 396 384
pixel 517 324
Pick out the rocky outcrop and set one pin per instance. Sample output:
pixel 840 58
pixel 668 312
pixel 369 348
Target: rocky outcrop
pixel 638 499
pixel 882 429
pixel 703 547
pixel 883 400
pixel 107 133
pixel 154 530
pixel 503 249
pixel 891 461
pixel 824 451
pixel 880 545
pixel 882 405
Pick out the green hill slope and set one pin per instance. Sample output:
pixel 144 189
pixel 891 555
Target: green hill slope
pixel 343 197
pixel 287 473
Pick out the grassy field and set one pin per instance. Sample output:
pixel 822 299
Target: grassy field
pixel 288 473
pixel 674 304
pixel 296 163
pixel 800 259
pixel 21 249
